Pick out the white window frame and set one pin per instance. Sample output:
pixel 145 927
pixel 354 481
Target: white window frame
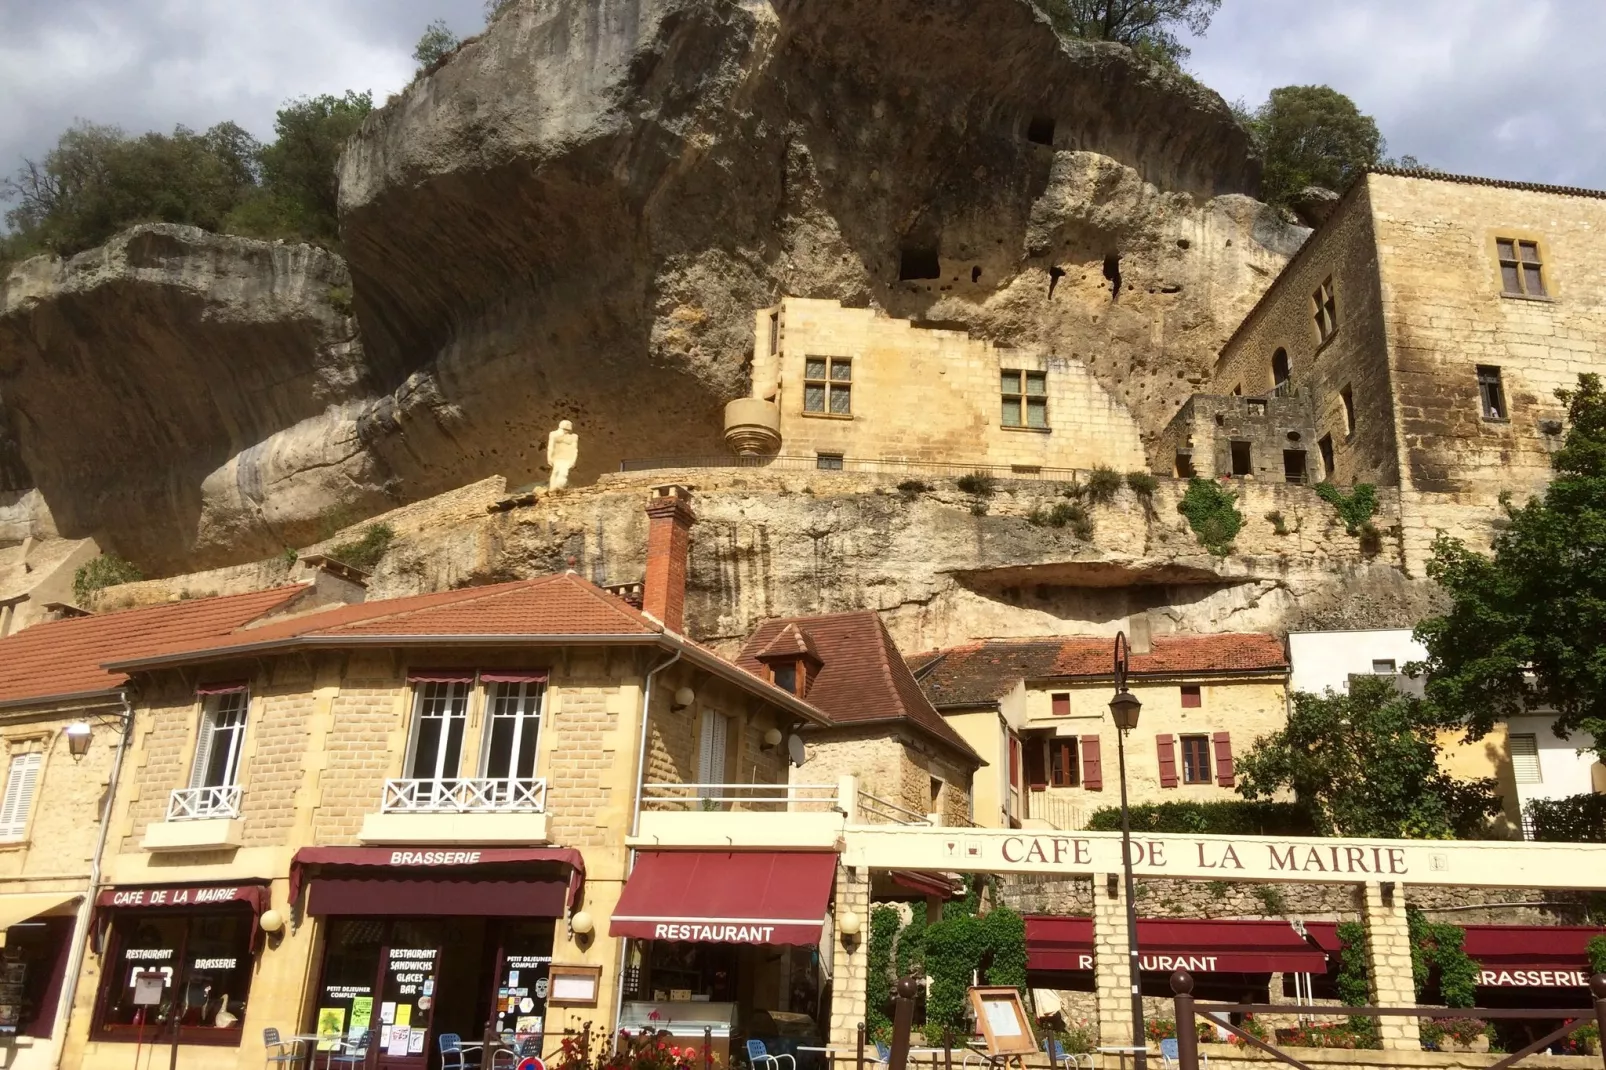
pixel 22 785
pixel 212 710
pixel 713 747
pixel 454 692
pixel 521 698
pixel 1522 772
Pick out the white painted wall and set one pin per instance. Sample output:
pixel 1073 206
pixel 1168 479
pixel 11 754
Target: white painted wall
pixel 1562 770
pixel 1323 660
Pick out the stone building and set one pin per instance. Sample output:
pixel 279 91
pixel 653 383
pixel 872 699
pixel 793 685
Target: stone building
pixel 1416 341
pixel 1038 711
pixel 36 579
pixel 848 387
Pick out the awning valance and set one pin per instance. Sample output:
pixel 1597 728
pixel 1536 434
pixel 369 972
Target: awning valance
pixel 18 908
pixel 727 897
pixel 225 687
pixel 1510 956
pixel 1062 944
pixel 440 676
pixel 483 898
pixel 445 864
pixel 505 676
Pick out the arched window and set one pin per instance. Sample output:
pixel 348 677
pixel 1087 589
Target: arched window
pixel 1279 370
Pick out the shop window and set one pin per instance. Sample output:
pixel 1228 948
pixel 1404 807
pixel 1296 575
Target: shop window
pixel 21 780
pixel 828 386
pixel 512 731
pixel 1184 466
pixel 220 740
pixel 1521 272
pixel 1525 758
pixel 1063 768
pixel 1347 396
pixel 1242 459
pixel 1025 398
pixel 440 712
pixel 1325 445
pixel 205 964
pixel 1326 311
pixel 713 735
pixel 828 462
pixel 33 964
pixel 1192 696
pixel 1491 392
pixel 1195 759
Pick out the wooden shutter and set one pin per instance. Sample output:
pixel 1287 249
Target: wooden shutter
pixel 1226 776
pixel 711 749
pixel 1166 745
pixel 1062 705
pixel 1092 764
pixel 20 784
pixel 203 742
pixel 1036 764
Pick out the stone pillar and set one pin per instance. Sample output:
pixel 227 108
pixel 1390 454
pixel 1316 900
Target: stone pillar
pixel 1388 960
pixel 1112 977
pixel 850 958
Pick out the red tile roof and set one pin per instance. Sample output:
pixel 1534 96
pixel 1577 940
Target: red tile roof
pixel 862 679
pixel 64 657
pixel 981 673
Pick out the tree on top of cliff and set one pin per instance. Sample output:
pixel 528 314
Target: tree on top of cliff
pixel 1526 627
pixel 437 42
pixel 300 168
pixel 1312 135
pixel 1366 763
pixel 1146 26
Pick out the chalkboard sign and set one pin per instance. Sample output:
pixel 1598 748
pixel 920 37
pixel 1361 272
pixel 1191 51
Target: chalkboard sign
pixel 1002 1019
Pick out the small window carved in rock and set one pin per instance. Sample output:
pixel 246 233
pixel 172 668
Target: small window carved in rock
pixel 919 264
pixel 1040 131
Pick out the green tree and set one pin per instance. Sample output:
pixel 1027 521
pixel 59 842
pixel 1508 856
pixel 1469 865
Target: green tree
pixel 299 170
pixel 1526 627
pixel 1366 764
pixel 437 42
pixel 1148 27
pixel 1312 135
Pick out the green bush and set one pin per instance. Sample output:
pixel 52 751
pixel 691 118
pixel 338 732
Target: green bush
pixel 1355 509
pixel 1142 484
pixel 1439 946
pixel 107 570
pixel 978 483
pixel 911 489
pixel 954 948
pixel 1279 524
pixel 1226 817
pixel 1064 514
pixel 1212 515
pixel 1102 485
pixel 365 552
pixel 1005 933
pixel 1596 949
pixel 911 953
pixel 884 922
pixel 1574 819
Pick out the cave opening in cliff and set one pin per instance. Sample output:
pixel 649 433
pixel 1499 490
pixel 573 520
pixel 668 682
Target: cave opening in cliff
pixel 1040 130
pixel 1055 274
pixel 916 263
pixel 975 275
pixel 1112 272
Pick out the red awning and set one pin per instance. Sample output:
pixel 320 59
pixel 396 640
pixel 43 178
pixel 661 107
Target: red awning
pixel 370 897
pixel 738 897
pixel 256 895
pixel 506 676
pixel 440 676
pixel 413 863
pixel 1061 944
pixel 928 884
pixel 1531 956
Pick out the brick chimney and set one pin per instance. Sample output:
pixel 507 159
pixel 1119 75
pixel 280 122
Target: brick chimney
pixel 669 521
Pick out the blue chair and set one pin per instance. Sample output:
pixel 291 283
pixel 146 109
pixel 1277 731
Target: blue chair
pixel 353 1050
pixel 1059 1057
pixel 1168 1054
pixel 281 1052
pixel 455 1055
pixel 759 1057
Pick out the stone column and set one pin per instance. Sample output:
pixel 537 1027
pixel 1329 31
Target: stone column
pixel 1112 977
pixel 850 958
pixel 1388 960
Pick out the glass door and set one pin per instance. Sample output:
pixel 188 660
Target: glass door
pixel 377 993
pixel 523 965
pixel 407 993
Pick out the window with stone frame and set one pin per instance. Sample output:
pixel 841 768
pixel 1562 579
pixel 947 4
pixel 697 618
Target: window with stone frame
pixel 1195 759
pixel 1491 392
pixel 1522 271
pixel 1025 398
pixel 1325 310
pixel 828 386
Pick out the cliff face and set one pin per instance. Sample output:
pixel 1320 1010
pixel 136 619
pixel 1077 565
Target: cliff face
pixel 574 217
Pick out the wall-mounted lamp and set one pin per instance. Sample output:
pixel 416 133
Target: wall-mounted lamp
pixel 79 736
pixel 580 923
pixel 1112 885
pixel 683 698
pixel 772 738
pixel 848 923
pixel 271 921
pixel 1387 890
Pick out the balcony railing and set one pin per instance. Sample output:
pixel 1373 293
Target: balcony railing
pixel 1063 814
pixel 463 795
pixel 877 811
pixel 201 804
pixel 739 797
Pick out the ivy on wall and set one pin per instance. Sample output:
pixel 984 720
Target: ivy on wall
pixel 884 922
pixel 1435 945
pixel 1355 509
pixel 1212 514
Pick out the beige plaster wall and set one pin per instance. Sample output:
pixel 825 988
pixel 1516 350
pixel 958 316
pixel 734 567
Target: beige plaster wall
pixel 934 396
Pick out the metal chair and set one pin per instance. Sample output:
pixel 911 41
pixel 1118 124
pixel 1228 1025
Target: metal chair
pixel 1168 1054
pixel 281 1052
pixel 759 1057
pixel 350 1051
pixel 1067 1060
pixel 453 1048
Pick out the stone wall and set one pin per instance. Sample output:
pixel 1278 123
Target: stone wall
pixel 1205 429
pixel 894 764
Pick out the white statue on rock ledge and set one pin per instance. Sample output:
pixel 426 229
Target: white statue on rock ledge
pixel 562 451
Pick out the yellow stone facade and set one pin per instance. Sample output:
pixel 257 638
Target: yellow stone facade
pixel 919 395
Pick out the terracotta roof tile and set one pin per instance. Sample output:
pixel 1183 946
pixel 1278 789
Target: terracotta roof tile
pixel 981 673
pixel 65 657
pixel 862 677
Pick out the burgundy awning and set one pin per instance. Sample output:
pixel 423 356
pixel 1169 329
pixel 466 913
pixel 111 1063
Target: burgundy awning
pixel 924 883
pixel 1531 956
pixel 440 676
pixel 368 897
pixel 257 895
pixel 224 688
pixel 413 864
pixel 727 897
pixel 1063 944
pixel 503 676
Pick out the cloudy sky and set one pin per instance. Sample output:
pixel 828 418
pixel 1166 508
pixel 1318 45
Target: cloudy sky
pixel 1481 86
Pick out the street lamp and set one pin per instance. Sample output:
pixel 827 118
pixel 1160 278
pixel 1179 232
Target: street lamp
pixel 79 735
pixel 1124 708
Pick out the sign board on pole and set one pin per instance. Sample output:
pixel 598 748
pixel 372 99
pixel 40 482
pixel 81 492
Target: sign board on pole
pixel 148 987
pixel 1001 1017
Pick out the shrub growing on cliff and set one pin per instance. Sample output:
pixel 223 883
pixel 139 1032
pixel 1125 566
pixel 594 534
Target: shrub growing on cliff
pixel 437 42
pixel 1142 484
pixel 1102 485
pixel 1212 515
pixel 1355 509
pixel 980 484
pixel 1526 628
pixel 107 570
pixel 364 552
pixel 1148 27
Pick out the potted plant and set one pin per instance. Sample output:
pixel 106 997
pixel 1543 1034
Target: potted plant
pixel 1587 1038
pixel 1158 1029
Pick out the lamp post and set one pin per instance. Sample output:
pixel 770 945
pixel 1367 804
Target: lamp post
pixel 1124 708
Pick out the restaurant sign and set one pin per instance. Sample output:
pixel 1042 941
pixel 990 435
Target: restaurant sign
pixel 181 896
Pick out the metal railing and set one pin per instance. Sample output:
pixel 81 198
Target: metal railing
pixel 201 804
pixel 725 797
pixel 1063 814
pixel 784 463
pixel 465 795
pixel 877 811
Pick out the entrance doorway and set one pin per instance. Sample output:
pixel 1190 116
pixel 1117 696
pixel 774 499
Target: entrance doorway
pixel 407 981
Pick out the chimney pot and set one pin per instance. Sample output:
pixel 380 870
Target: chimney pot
pixel 669 521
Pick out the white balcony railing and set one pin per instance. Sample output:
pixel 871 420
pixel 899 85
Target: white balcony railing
pixel 764 797
pixel 202 804
pixel 462 795
pixel 874 810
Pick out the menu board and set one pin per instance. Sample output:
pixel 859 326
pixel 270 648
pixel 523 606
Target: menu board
pixel 13 972
pixel 521 994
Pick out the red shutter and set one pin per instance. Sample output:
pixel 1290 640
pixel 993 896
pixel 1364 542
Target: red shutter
pixel 1062 705
pixel 1092 765
pixel 1036 765
pixel 1167 747
pixel 1014 762
pixel 1225 774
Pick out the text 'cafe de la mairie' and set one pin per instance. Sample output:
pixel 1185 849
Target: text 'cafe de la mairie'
pixel 522 807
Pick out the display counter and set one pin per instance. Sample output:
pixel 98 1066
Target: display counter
pixel 686 1021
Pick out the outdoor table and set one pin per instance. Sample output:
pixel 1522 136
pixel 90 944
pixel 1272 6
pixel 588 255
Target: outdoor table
pixel 312 1040
pixel 1123 1052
